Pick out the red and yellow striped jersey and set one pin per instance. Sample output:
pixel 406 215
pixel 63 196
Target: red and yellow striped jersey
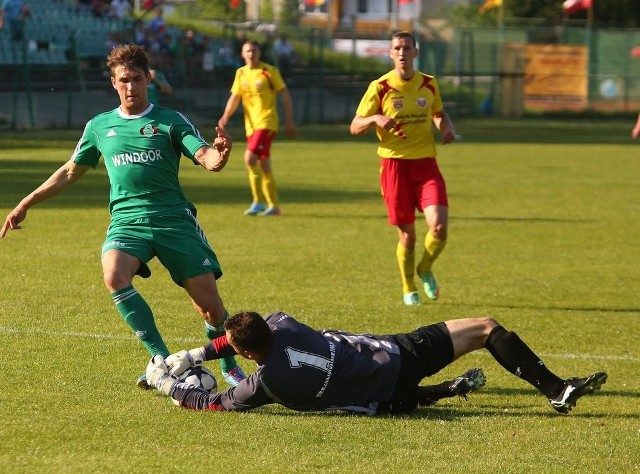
pixel 411 104
pixel 259 88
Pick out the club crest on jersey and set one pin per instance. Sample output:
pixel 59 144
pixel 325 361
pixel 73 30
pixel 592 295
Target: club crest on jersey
pixel 148 130
pixel 421 102
pixel 398 103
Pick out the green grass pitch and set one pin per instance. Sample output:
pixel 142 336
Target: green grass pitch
pixel 544 236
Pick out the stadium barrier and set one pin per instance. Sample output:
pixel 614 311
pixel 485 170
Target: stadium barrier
pixel 56 78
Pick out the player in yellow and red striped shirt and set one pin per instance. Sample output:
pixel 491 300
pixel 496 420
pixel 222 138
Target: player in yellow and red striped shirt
pixel 402 105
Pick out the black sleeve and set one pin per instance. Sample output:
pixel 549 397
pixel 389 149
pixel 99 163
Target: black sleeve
pixel 247 395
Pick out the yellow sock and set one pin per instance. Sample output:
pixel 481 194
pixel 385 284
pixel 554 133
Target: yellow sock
pixel 269 190
pixel 406 262
pixel 255 182
pixel 432 248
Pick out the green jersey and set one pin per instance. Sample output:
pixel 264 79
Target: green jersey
pixel 142 156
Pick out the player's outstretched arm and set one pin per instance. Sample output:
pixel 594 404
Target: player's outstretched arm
pixel 215 157
pixel 62 178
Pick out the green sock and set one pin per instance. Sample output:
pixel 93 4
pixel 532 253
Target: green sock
pixel 227 363
pixel 136 313
pixel 211 332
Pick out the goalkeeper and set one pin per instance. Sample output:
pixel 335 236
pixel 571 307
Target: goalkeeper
pixel 308 370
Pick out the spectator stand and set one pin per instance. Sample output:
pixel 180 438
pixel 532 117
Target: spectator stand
pixel 62 49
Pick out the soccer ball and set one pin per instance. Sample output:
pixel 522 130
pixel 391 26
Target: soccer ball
pixel 200 377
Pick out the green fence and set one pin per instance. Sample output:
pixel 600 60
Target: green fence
pixel 56 76
pixel 473 59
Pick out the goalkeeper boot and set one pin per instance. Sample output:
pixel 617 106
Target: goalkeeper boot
pixel 462 385
pixel 470 381
pixel 575 388
pixel 255 208
pixel 234 376
pixel 411 299
pixel 430 286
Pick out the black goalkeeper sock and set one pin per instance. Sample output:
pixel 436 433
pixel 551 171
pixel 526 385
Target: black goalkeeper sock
pixel 430 394
pixel 515 356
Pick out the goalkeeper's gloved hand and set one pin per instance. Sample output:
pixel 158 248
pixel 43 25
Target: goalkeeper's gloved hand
pixel 181 361
pixel 158 375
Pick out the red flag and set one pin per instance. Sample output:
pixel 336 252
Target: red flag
pixel 573 6
pixel 235 3
pixel 405 2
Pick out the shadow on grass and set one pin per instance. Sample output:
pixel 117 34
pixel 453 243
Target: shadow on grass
pixel 525 390
pixel 451 413
pixel 526 130
pixel 519 219
pixel 20 177
pixel 529 130
pixel 594 309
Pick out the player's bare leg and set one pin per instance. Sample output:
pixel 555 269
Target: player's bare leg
pixel 516 357
pixel 205 297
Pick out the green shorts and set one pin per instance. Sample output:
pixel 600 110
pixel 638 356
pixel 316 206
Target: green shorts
pixel 178 241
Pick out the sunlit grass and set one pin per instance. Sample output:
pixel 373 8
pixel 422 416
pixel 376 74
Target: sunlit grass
pixel 543 236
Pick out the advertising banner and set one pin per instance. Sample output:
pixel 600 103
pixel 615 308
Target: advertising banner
pixel 556 77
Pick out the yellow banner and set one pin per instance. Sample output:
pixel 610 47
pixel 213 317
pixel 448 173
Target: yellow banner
pixel 556 77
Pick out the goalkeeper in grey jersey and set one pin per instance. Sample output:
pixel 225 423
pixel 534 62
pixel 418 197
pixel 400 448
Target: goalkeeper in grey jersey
pixel 305 369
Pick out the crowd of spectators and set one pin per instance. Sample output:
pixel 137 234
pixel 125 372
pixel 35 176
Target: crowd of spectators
pixel 117 9
pixel 177 53
pixel 172 51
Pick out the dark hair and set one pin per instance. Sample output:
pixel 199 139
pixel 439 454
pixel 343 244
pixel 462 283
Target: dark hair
pixel 250 331
pixel 252 43
pixel 404 34
pixel 130 56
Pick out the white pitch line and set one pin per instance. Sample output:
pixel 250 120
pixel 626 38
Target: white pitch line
pixel 85 335
pixel 193 340
pixel 543 355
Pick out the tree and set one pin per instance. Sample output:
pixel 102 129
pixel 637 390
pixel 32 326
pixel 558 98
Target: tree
pixel 616 13
pixel 266 11
pixel 221 10
pixel 290 14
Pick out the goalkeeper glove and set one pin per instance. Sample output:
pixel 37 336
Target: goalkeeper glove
pixel 158 375
pixel 181 361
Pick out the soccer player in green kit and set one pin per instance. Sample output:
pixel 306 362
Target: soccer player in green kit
pixel 141 144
